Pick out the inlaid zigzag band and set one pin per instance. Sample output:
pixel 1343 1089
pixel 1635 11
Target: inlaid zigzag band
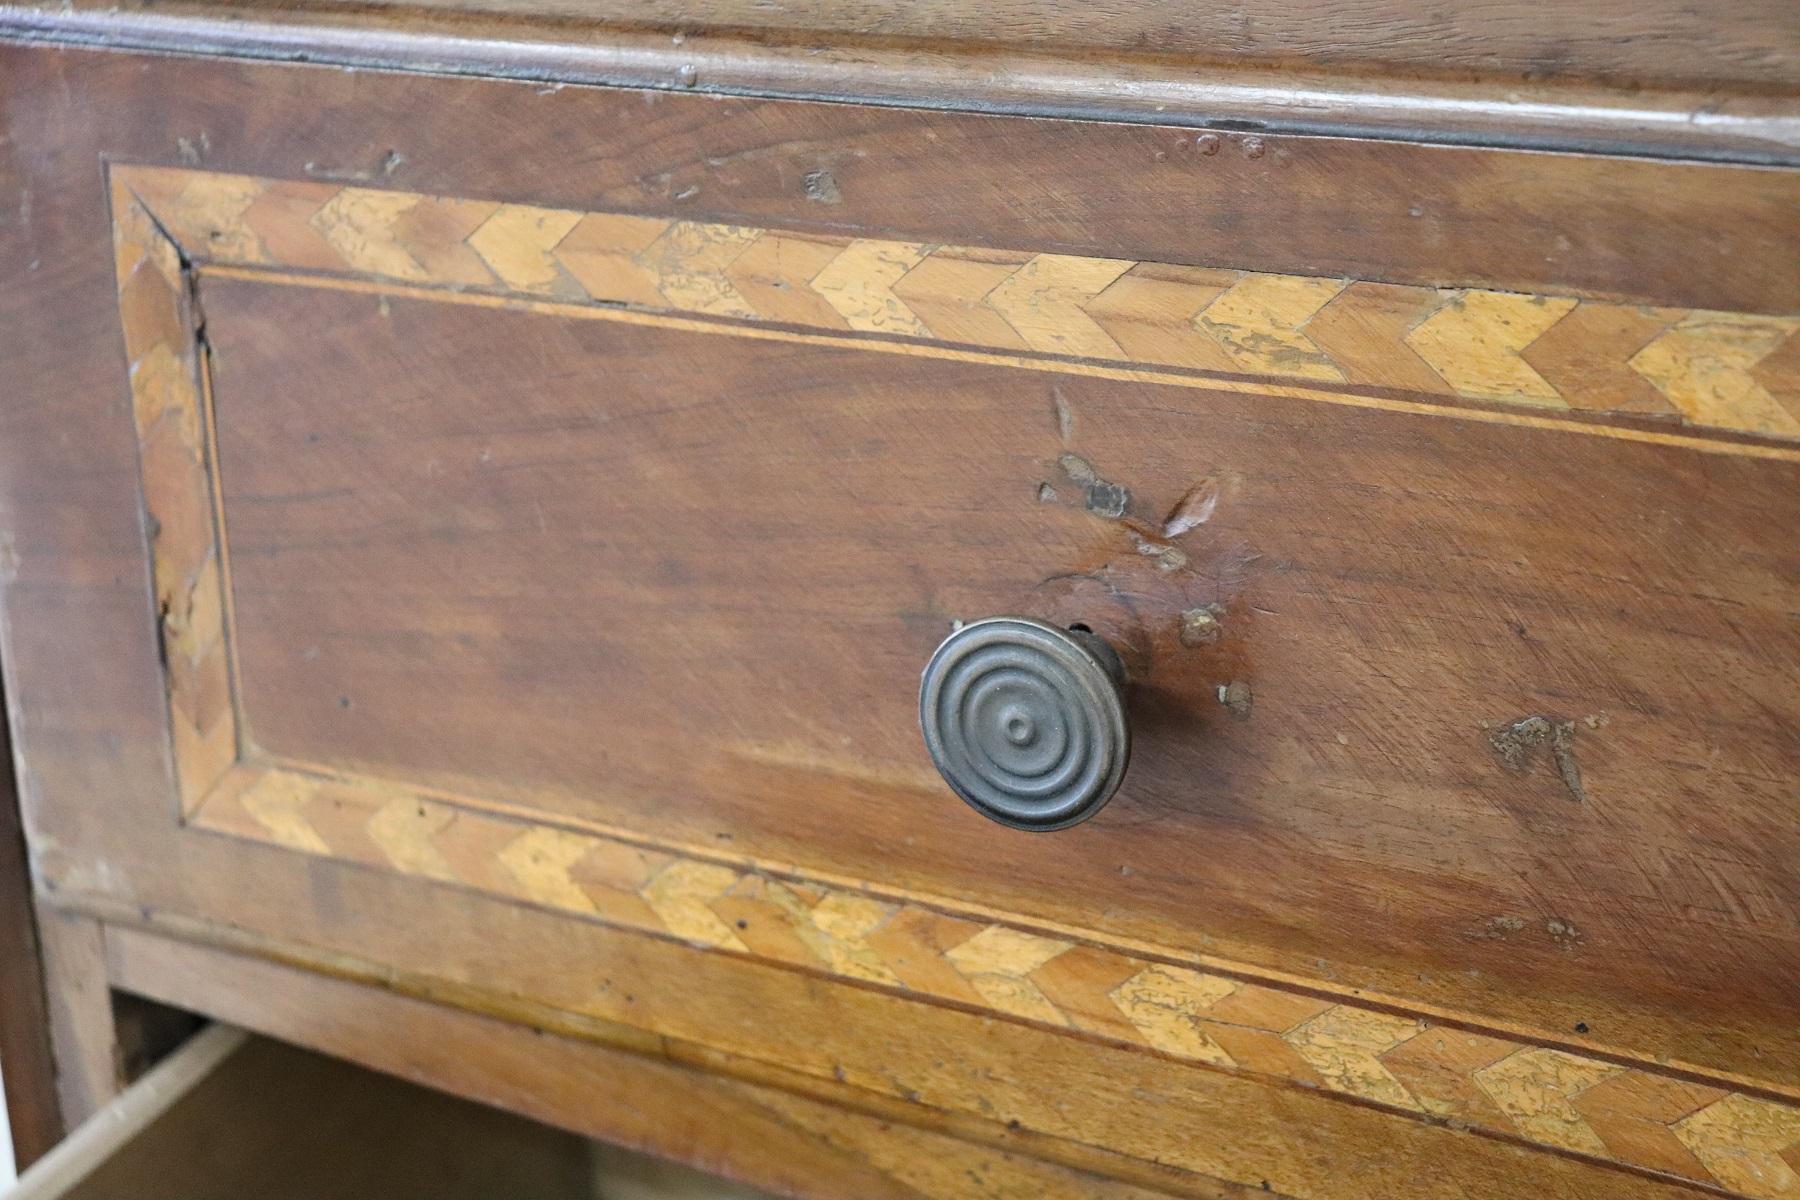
pixel 1724 370
pixel 1748 1144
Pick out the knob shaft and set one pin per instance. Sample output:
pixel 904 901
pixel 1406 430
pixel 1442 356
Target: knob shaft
pixel 1026 721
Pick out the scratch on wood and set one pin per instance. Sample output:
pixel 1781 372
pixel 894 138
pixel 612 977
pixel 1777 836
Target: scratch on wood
pixel 1102 497
pixel 1193 509
pixel 1514 744
pixel 1065 416
pixel 1168 558
pixel 1563 932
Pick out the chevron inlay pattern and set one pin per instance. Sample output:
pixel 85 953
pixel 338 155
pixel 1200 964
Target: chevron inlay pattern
pixel 1735 371
pixel 166 382
pixel 1550 1097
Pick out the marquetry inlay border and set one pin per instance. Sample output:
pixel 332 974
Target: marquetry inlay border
pixel 1452 345
pixel 159 315
pixel 1497 1082
pixel 932 951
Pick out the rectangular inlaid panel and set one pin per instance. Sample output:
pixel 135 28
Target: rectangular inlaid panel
pixel 635 600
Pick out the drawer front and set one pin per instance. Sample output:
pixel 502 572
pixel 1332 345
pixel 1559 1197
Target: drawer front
pixel 550 497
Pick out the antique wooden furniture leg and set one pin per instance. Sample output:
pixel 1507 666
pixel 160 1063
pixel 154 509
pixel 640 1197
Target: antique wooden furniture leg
pixel 79 1005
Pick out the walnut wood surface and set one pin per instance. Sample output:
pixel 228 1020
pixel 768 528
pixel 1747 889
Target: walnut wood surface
pixel 1498 1085
pixel 1345 338
pixel 1418 849
pixel 1515 221
pixel 629 609
pixel 1733 43
pixel 1483 1082
pixel 1167 1126
pixel 789 1143
pixel 1551 113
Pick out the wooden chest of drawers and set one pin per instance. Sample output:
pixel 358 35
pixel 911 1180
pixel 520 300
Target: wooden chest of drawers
pixel 471 545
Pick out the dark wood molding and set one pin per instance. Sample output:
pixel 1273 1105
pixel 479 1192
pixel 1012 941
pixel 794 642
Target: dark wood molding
pixel 1706 125
pixel 1739 46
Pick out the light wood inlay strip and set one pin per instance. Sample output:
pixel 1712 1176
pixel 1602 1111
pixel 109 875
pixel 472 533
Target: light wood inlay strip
pixel 1451 345
pixel 174 440
pixel 1501 1084
pixel 1702 442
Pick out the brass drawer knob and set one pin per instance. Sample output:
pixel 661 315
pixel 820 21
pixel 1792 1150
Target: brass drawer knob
pixel 1026 721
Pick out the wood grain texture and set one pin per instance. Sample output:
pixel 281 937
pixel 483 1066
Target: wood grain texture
pixel 1657 433
pixel 1735 45
pixel 789 1143
pixel 1699 122
pixel 844 932
pixel 1170 1127
pixel 1425 857
pixel 1546 351
pixel 1495 219
pixel 1499 1084
pixel 1506 1086
pixel 82 1037
pixel 645 642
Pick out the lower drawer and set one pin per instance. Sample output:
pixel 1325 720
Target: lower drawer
pixel 231 1115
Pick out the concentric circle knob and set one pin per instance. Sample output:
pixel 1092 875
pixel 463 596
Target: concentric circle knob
pixel 1026 721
